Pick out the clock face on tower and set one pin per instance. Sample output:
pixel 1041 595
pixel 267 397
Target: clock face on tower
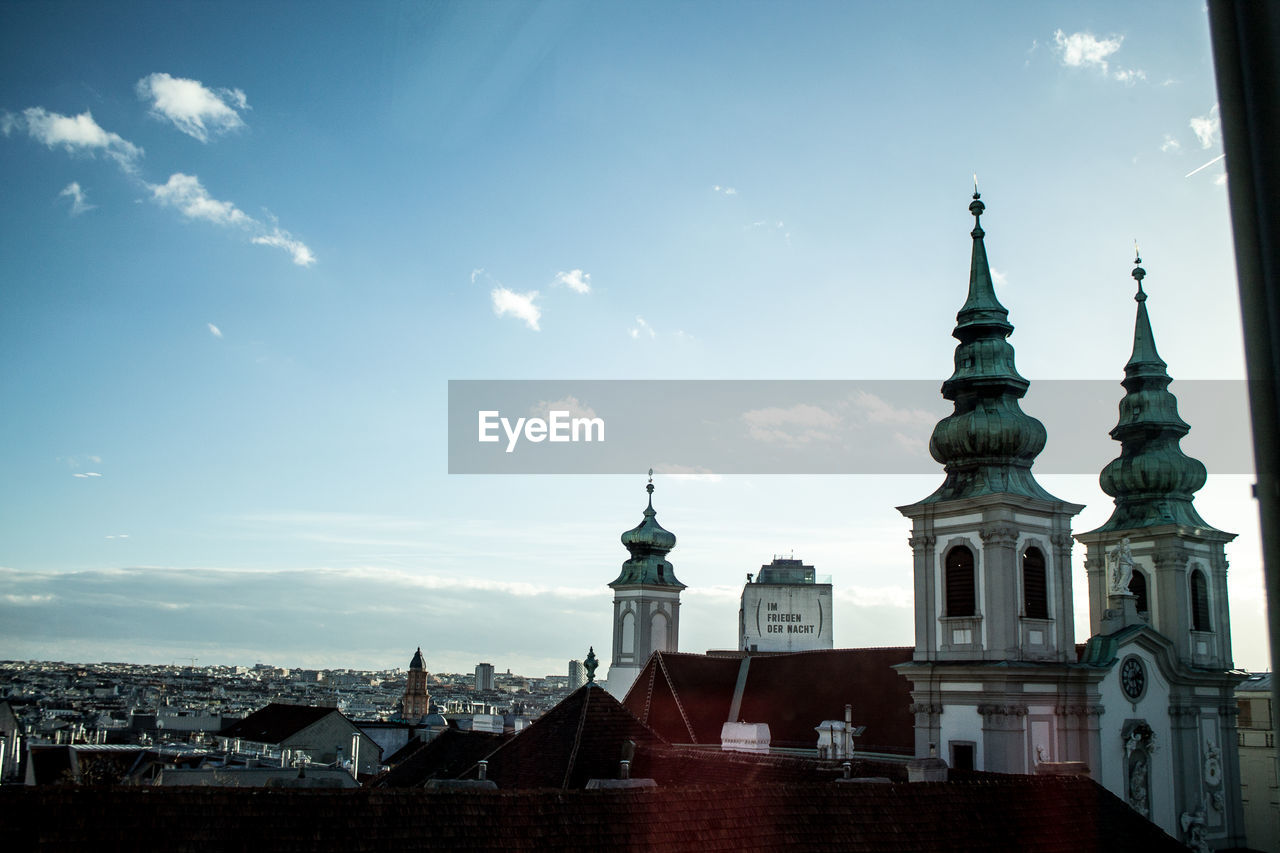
pixel 1133 677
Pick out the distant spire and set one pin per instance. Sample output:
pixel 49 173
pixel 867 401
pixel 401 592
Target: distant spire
pixel 649 544
pixel 1152 481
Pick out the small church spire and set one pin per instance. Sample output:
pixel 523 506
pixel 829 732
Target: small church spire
pixel 649 544
pixel 1152 481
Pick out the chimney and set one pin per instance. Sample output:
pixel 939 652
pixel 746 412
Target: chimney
pixel 483 770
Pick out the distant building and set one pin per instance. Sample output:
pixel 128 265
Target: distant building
pixel 484 676
pixel 1258 778
pixel 646 601
pixel 320 735
pixel 577 675
pixel 785 609
pixel 416 702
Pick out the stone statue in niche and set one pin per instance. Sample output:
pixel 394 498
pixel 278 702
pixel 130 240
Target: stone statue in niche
pixel 1120 561
pixel 1139 744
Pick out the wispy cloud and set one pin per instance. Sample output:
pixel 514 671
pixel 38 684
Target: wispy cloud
pixel 281 239
pixel 799 424
pixel 75 134
pixel 519 305
pixel 188 196
pixel 214 330
pixel 192 200
pixel 641 328
pixel 79 204
pixel 117 536
pixel 1170 144
pixel 191 107
pixel 724 190
pixel 575 407
pixel 1085 50
pixel 1207 127
pixel 87 474
pixel 576 280
pixel 476 273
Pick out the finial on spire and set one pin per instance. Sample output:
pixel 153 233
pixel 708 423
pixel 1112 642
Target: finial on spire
pixel 1138 274
pixel 649 488
pixel 976 207
pixel 590 664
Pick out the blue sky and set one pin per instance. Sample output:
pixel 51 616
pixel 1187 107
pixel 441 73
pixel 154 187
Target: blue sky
pixel 247 245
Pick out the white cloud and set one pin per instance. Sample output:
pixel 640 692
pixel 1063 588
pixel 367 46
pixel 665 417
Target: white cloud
pixel 117 536
pixel 576 280
pixel 999 279
pixel 724 190
pixel 215 331
pixel 799 424
pixel 76 134
pixel 1170 144
pixel 476 273
pixel 517 305
pixel 78 203
pixel 1207 127
pixel 87 474
pixel 575 407
pixel 281 239
pixel 192 107
pixel 1221 180
pixel 641 327
pixel 1084 50
pixel 194 202
pixel 687 472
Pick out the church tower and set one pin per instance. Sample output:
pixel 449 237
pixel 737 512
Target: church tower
pixel 416 702
pixel 1160 622
pixel 646 601
pixel 992 556
pixel 1171 562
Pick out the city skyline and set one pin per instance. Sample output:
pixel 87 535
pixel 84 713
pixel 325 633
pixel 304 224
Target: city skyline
pixel 237 288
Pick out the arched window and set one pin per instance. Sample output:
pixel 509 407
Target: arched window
pixel 961 598
pixel 1138 586
pixel 658 634
pixel 1199 602
pixel 628 632
pixel 1035 588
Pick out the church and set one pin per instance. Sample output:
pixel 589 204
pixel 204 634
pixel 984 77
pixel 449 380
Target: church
pixel 997 680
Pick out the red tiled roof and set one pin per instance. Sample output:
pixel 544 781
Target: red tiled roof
pixel 276 722
pixel 1009 813
pixel 686 698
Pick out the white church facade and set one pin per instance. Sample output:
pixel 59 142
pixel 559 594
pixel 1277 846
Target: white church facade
pixel 1148 707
